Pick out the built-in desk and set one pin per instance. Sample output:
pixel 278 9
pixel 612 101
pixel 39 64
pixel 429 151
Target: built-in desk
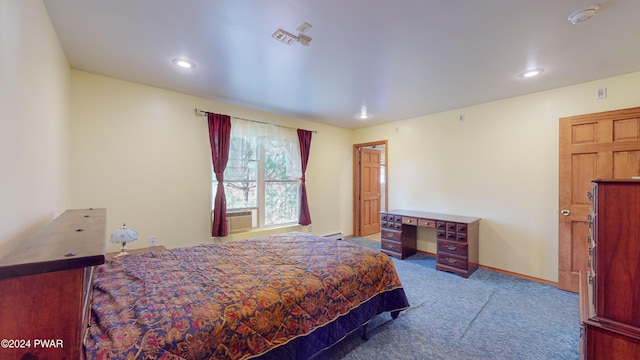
pixel 457 238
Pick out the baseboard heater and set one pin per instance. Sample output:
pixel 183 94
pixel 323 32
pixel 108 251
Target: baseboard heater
pixel 335 236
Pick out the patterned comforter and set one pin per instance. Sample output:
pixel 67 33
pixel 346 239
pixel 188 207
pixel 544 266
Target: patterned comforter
pixel 238 300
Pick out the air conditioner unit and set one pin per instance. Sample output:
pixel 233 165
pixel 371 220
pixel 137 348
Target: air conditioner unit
pixel 239 221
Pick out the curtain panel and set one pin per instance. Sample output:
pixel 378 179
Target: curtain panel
pixel 219 137
pixel 304 137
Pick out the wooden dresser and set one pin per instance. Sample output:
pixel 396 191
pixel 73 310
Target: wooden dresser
pixel 46 287
pixel 610 290
pixel 457 238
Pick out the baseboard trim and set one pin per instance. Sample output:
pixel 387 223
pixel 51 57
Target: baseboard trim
pixel 522 276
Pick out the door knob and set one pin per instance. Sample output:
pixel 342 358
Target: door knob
pixel 565 212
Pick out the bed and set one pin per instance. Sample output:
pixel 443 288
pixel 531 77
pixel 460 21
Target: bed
pixel 286 296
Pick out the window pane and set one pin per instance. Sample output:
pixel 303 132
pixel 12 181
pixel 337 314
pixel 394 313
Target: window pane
pixel 276 163
pixel 241 194
pixel 281 203
pixel 242 162
pixel 240 185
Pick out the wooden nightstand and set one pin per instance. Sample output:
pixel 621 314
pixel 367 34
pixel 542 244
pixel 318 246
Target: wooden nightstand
pixel 112 255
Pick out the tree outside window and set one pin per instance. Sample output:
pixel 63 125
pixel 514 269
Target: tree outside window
pixel 261 172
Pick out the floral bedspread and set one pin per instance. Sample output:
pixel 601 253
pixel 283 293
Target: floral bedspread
pixel 233 300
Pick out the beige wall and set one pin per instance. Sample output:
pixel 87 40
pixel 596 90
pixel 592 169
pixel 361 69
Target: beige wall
pixel 500 164
pixel 142 153
pixel 34 146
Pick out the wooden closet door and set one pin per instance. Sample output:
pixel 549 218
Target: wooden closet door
pixel 595 146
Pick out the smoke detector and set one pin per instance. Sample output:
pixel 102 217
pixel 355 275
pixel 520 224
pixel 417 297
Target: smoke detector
pixel 584 14
pixel 288 38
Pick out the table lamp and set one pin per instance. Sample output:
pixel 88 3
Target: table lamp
pixel 124 235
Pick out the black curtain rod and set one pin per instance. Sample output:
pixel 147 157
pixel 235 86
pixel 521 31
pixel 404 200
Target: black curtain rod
pixel 204 113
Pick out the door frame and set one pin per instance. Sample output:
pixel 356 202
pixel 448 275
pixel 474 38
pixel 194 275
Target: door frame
pixel 356 180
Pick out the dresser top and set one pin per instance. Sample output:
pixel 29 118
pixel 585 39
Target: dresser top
pixel 73 240
pixel 432 216
pixel 633 180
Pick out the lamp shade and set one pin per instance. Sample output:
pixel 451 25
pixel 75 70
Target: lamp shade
pixel 124 235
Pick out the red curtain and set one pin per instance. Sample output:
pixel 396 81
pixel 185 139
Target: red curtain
pixel 304 137
pixel 219 137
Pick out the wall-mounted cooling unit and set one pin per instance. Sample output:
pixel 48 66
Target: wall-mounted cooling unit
pixel 239 221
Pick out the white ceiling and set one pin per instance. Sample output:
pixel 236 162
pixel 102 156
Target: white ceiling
pixel 398 58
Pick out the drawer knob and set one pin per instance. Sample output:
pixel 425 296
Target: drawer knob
pixel 451 261
pixel 451 247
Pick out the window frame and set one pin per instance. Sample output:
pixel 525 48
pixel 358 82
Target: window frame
pixel 261 184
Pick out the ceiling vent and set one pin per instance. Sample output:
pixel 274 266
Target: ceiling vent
pixel 288 38
pixel 284 37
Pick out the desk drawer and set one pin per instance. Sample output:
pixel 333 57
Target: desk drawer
pixel 441 234
pixel 391 245
pixel 461 237
pixel 462 228
pixel 453 260
pixel 452 247
pixel 390 225
pixel 391 235
pixel 427 223
pixel 409 220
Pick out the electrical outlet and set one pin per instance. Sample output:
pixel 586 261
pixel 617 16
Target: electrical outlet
pixel 152 241
pixel 310 228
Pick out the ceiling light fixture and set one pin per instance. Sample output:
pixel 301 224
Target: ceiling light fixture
pixel 186 64
pixel 584 14
pixel 531 73
pixel 363 113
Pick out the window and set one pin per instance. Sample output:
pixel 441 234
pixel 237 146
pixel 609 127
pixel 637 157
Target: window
pixel 262 173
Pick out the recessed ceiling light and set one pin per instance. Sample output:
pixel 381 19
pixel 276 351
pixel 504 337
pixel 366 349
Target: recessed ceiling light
pixel 582 15
pixel 363 113
pixel 531 73
pixel 186 64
